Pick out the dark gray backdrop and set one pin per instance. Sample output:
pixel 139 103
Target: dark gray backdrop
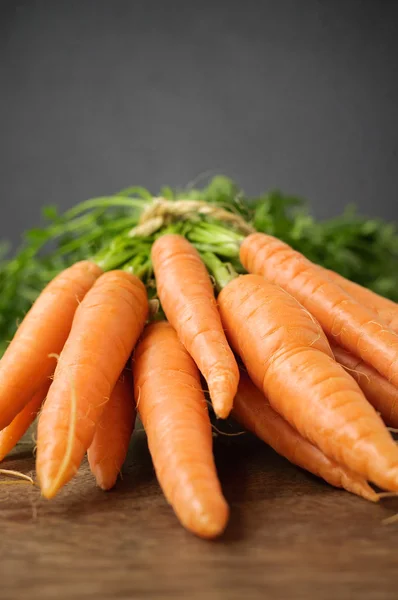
pixel 97 95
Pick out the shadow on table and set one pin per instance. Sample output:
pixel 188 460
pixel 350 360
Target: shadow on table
pixel 251 474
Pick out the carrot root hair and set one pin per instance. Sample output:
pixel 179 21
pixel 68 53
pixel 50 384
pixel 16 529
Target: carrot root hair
pixel 18 475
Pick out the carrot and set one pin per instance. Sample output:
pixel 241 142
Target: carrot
pixel 363 295
pixel 351 325
pixel 380 392
pixel 108 449
pixel 288 358
pixel 105 329
pixel 186 294
pixel 174 413
pixel 11 435
pixel 386 309
pixel 28 360
pixel 254 413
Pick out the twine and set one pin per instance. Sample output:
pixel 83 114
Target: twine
pixel 161 211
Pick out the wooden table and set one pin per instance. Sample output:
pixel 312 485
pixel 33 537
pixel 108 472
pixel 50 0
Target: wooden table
pixel 290 536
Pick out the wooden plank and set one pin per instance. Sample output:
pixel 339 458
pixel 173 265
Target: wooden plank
pixel 290 536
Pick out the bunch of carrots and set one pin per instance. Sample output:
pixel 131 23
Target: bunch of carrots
pixel 300 356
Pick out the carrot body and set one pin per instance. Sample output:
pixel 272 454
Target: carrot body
pixel 105 329
pixel 27 362
pixel 363 295
pixel 173 411
pixel 386 309
pixel 253 411
pixel 11 435
pixel 283 349
pixel 109 447
pixel 350 324
pixel 186 294
pixel 380 392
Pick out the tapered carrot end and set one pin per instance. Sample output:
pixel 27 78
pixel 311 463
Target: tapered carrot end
pixel 391 480
pixel 105 475
pixel 52 478
pixel 222 393
pixel 208 522
pixel 385 476
pixel 47 488
pixel 357 485
pixel 222 405
pixel 5 446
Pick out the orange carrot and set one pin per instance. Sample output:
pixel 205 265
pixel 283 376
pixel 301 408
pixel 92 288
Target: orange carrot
pixel 11 435
pixel 386 309
pixel 283 349
pixel 186 294
pixel 174 414
pixel 108 449
pixel 351 325
pixel 363 295
pixel 380 392
pixel 105 329
pixel 29 359
pixel 253 411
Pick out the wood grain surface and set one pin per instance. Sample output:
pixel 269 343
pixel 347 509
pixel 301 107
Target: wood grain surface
pixel 290 536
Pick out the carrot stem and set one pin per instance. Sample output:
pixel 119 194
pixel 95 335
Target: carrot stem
pixel 104 202
pixel 223 273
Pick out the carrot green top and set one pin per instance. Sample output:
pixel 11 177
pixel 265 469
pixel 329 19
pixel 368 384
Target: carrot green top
pixel 117 231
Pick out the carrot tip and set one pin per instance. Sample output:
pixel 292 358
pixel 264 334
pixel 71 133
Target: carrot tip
pixel 365 491
pixel 48 491
pixel 220 409
pixel 207 520
pixel 50 482
pixel 104 480
pixel 222 393
pixel 209 528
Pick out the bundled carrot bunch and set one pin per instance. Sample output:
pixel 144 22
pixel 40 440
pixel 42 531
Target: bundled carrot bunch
pixel 301 356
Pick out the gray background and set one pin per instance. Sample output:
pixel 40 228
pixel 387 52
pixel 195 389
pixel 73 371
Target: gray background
pixel 96 95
